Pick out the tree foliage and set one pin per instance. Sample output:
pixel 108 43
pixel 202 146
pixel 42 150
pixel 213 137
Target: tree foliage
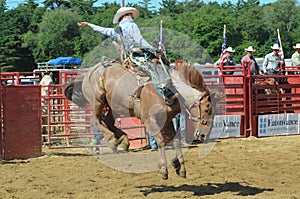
pixel 193 30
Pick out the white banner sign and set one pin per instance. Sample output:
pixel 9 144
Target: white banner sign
pixel 278 124
pixel 225 126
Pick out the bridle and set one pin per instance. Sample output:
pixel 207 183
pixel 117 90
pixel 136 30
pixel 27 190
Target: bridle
pixel 197 118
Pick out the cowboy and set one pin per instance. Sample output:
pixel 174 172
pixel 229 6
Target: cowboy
pixel 296 57
pixel 130 32
pixel 272 62
pixel 129 36
pixel 227 59
pixel 249 59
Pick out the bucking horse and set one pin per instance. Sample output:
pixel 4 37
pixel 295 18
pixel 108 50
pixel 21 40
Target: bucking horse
pixel 125 93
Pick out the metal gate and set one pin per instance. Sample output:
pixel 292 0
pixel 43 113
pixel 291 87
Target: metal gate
pixel 21 135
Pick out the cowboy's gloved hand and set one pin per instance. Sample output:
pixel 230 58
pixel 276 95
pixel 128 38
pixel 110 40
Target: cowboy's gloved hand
pixel 83 24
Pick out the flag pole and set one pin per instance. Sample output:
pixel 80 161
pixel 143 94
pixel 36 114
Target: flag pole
pixel 223 46
pixel 280 42
pixel 122 3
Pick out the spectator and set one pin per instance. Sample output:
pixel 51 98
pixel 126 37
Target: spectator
pixel 272 62
pixel 179 125
pixel 227 60
pixel 249 60
pixel 296 57
pixel 152 142
pixel 96 140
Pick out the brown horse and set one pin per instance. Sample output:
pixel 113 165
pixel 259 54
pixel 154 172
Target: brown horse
pixel 270 82
pixel 115 86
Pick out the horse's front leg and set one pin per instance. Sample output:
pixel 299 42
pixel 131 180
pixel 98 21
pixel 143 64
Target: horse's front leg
pixel 100 125
pixel 178 162
pixel 121 136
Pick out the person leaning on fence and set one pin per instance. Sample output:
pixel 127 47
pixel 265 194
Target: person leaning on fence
pixel 128 35
pixel 227 60
pixel 272 62
pixel 249 60
pixel 296 58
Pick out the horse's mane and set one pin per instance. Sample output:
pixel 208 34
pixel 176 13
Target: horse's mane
pixel 193 77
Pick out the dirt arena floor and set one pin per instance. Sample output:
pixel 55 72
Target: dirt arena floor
pixel 234 168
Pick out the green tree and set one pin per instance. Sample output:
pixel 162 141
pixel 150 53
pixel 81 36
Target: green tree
pixel 83 7
pixel 54 4
pixel 2 6
pixel 146 5
pixel 282 15
pixel 14 55
pixel 171 8
pixel 58 33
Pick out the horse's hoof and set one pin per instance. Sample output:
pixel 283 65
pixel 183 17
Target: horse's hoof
pixel 97 151
pixel 182 174
pixel 112 144
pixel 175 163
pixel 163 172
pixel 163 176
pixel 124 142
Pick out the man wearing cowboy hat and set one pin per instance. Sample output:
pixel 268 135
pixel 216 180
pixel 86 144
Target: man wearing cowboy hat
pixel 131 36
pixel 227 59
pixel 296 56
pixel 131 39
pixel 272 62
pixel 249 60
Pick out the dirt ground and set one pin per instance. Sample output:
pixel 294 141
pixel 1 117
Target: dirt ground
pixel 234 168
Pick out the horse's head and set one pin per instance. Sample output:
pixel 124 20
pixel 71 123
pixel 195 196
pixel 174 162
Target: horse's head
pixel 270 82
pixel 201 113
pixel 45 81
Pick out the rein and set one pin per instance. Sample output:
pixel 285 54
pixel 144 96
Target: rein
pixel 193 118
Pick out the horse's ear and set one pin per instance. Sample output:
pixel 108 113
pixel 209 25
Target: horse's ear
pixel 51 74
pixel 43 74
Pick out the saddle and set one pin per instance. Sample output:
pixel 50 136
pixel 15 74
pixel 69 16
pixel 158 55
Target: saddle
pixel 149 67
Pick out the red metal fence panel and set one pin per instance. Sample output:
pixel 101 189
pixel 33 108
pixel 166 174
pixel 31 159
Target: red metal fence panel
pixel 22 122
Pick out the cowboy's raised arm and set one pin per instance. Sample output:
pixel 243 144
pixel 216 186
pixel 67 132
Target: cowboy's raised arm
pixel 105 31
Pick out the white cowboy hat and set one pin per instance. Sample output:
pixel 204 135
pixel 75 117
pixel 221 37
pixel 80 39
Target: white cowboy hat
pixel 275 47
pixel 229 49
pixel 297 46
pixel 123 11
pixel 250 49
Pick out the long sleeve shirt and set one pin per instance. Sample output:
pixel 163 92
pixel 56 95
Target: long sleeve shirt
pixel 131 34
pixel 228 61
pixel 296 59
pixel 271 62
pixel 254 69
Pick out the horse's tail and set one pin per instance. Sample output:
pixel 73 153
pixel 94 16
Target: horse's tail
pixel 73 91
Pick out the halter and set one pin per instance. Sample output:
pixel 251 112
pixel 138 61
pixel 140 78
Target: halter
pixel 193 118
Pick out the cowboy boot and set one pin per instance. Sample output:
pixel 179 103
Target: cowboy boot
pixel 170 96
